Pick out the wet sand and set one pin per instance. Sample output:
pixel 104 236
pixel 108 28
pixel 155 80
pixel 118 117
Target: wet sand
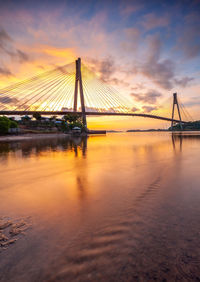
pixel 119 207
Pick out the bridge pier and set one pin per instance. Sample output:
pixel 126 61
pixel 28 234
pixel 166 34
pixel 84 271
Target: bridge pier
pixel 175 102
pixel 79 86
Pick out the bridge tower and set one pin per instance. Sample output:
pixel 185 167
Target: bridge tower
pixel 175 103
pixel 79 88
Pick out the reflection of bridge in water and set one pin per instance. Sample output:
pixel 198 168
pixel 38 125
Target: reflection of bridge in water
pixel 36 146
pixel 78 144
pixel 69 90
pixel 179 137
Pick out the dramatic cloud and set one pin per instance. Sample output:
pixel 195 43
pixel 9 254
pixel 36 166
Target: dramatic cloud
pixel 7 47
pixel 4 39
pixel 5 72
pixel 131 44
pixel 7 100
pixel 161 72
pixel 23 57
pixel 150 97
pixel 18 55
pixel 149 109
pixel 106 69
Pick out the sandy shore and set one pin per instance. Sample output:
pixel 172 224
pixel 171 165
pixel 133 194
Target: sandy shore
pixel 30 136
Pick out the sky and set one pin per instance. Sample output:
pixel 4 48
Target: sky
pixel 146 50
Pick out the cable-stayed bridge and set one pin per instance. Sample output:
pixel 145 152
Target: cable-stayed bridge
pixel 73 89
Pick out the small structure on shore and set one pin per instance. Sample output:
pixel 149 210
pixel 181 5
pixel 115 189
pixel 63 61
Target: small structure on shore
pixel 76 130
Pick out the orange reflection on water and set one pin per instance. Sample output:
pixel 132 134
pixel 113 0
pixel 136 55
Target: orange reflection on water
pixel 47 175
pixel 86 198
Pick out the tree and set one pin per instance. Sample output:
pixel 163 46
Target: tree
pixel 13 124
pixel 37 116
pixel 77 124
pixel 71 118
pixel 27 118
pixel 74 120
pixel 52 118
pixel 5 124
pixel 64 126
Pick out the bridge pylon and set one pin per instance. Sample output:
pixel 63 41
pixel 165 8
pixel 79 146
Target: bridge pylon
pixel 79 88
pixel 175 103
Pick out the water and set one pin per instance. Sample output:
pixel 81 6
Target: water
pixel 121 207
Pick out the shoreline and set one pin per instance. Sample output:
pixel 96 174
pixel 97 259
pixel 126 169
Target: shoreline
pixel 30 136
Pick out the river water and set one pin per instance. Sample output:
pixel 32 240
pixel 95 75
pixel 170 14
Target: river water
pixel 120 207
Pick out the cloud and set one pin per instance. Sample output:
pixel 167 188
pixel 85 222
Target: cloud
pixel 4 39
pixel 95 36
pixel 131 41
pixel 189 36
pixel 23 57
pixel 5 72
pixel 105 67
pixel 117 81
pixel 8 100
pixel 106 70
pixel 161 72
pixel 134 109
pixel 192 101
pixel 59 52
pixel 7 47
pixel 150 97
pixel 151 21
pixel 188 42
pixel 91 109
pixel 183 81
pixel 149 109
pixel 65 69
pixel 18 55
pixel 138 86
pixel 129 7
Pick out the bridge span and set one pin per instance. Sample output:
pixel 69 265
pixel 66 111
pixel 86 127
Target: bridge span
pixel 65 91
pixel 20 113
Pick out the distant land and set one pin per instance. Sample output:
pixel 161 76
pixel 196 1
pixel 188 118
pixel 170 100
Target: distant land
pixel 189 126
pixel 114 131
pixel 146 130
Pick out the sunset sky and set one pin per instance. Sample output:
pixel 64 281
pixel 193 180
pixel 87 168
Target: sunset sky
pixel 145 49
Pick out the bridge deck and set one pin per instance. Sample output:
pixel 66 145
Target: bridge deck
pixel 14 113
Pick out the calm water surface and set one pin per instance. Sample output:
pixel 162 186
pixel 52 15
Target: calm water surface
pixel 121 207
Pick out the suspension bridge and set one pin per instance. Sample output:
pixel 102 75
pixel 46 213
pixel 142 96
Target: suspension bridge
pixel 72 89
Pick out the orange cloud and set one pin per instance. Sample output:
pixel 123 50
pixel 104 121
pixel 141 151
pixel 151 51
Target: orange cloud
pixel 67 53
